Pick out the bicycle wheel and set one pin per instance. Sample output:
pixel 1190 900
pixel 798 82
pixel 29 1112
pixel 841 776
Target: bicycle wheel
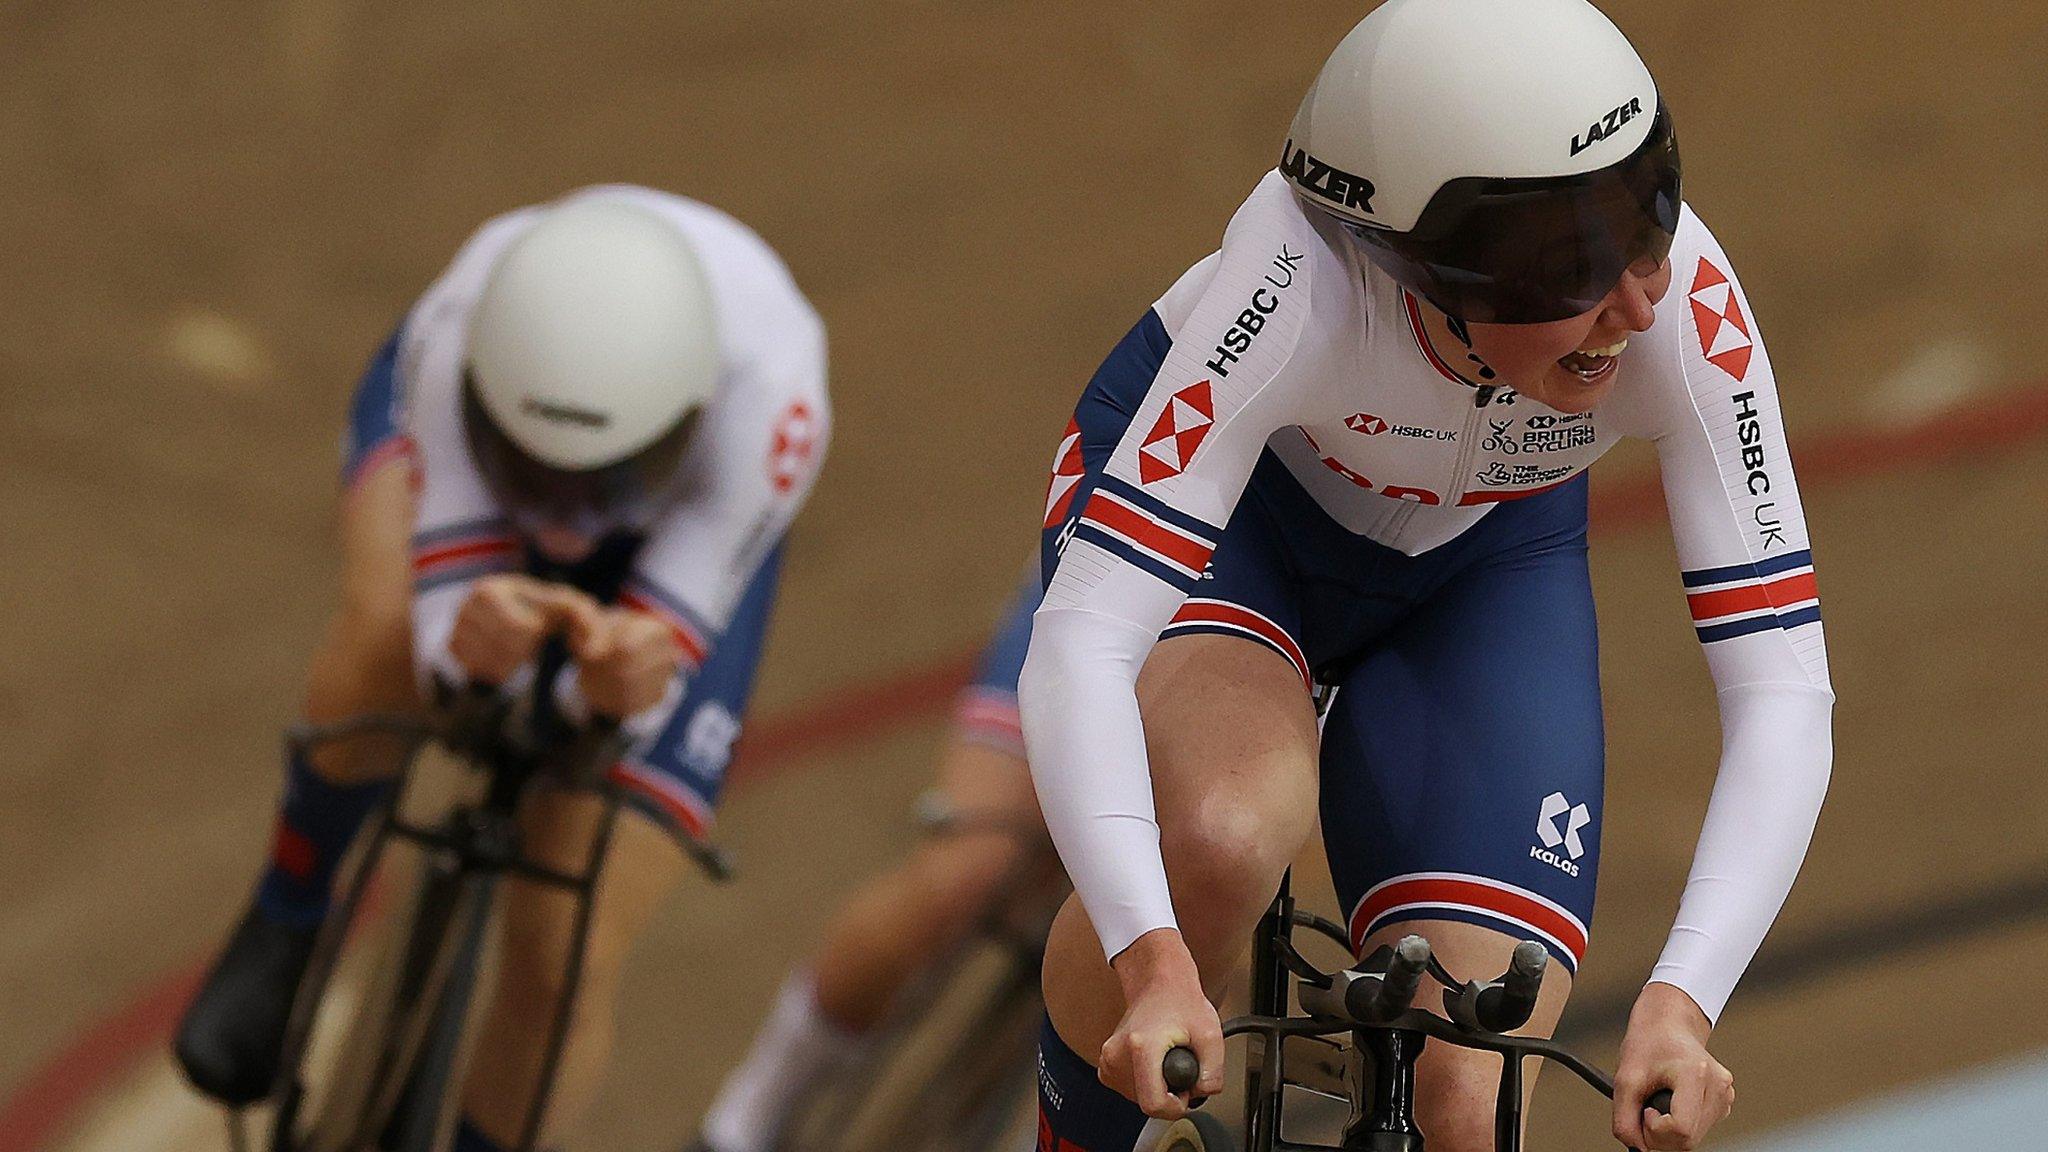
pixel 952 1074
pixel 388 1030
pixel 426 1110
pixel 1197 1132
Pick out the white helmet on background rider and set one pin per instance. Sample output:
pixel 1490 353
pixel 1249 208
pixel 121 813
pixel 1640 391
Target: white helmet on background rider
pixel 1506 160
pixel 591 348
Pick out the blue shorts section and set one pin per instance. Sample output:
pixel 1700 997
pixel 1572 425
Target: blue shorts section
pixel 1463 754
pixel 376 429
pixel 677 778
pixel 987 711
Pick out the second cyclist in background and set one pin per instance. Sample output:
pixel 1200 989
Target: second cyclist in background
pixel 593 430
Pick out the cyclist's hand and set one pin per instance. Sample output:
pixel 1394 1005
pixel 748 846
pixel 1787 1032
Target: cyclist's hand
pixel 1166 1006
pixel 503 621
pixel 624 661
pixel 1666 1047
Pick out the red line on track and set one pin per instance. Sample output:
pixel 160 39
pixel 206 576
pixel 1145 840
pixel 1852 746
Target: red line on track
pixel 51 1096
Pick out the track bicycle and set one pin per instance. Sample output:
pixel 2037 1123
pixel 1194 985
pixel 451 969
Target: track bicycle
pixel 951 1066
pixel 395 1086
pixel 1362 1035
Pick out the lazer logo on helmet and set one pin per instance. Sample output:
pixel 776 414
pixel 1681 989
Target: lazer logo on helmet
pixel 562 413
pixel 1608 125
pixel 1338 187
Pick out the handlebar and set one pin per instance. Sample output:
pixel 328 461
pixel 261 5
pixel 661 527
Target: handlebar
pixel 1506 1004
pixel 1182 1070
pixel 1394 991
pixel 471 726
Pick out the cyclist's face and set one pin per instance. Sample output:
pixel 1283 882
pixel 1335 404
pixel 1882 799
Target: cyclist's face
pixel 1549 362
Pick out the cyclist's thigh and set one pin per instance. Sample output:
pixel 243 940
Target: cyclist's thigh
pixel 1463 758
pixel 641 866
pixel 1231 738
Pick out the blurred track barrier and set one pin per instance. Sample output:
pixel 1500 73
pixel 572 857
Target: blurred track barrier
pixel 1998 1107
pixel 50 1098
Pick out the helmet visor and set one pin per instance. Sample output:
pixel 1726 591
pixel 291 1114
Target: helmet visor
pixel 1530 250
pixel 637 482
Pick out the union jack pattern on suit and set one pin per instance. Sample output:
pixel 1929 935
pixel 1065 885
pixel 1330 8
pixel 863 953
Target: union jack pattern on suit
pixel 464 552
pixel 1169 544
pixel 683 624
pixel 1745 598
pixel 1463 896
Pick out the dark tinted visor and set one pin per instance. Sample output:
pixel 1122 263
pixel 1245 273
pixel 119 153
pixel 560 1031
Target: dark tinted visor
pixel 1526 251
pixel 526 483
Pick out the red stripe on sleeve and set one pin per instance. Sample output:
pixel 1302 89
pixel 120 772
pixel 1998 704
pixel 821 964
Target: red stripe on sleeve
pixel 1753 597
pixel 1122 520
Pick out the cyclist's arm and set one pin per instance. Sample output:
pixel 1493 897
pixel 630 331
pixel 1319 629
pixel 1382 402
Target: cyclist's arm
pixel 1130 557
pixel 756 456
pixel 1742 544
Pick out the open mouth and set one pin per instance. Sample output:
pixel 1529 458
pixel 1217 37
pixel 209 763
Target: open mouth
pixel 1593 364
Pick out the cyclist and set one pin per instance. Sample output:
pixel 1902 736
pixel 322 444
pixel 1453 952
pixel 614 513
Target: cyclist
pixel 1348 449
pixel 883 935
pixel 595 425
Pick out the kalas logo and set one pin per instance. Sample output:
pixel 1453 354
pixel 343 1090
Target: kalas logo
pixel 1312 175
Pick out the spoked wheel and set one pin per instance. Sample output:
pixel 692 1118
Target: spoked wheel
pixel 1198 1132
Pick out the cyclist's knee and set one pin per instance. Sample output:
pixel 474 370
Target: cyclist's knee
pixel 955 877
pixel 1455 1098
pixel 1224 860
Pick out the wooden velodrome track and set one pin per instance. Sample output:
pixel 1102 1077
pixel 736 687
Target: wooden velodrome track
pixel 213 212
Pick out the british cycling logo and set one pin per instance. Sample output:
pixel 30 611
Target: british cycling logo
pixel 1717 317
pixel 1576 817
pixel 1544 434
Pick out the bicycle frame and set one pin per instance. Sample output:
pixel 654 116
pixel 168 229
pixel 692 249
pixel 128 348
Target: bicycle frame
pixel 476 846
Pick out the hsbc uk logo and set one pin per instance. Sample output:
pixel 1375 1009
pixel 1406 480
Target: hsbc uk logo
pixel 1576 817
pixel 1725 338
pixel 1178 433
pixel 1067 470
pixel 1367 424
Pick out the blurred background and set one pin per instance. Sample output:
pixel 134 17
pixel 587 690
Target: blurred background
pixel 212 213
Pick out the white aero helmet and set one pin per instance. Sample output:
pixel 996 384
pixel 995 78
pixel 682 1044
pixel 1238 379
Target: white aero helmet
pixel 593 344
pixel 1507 160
